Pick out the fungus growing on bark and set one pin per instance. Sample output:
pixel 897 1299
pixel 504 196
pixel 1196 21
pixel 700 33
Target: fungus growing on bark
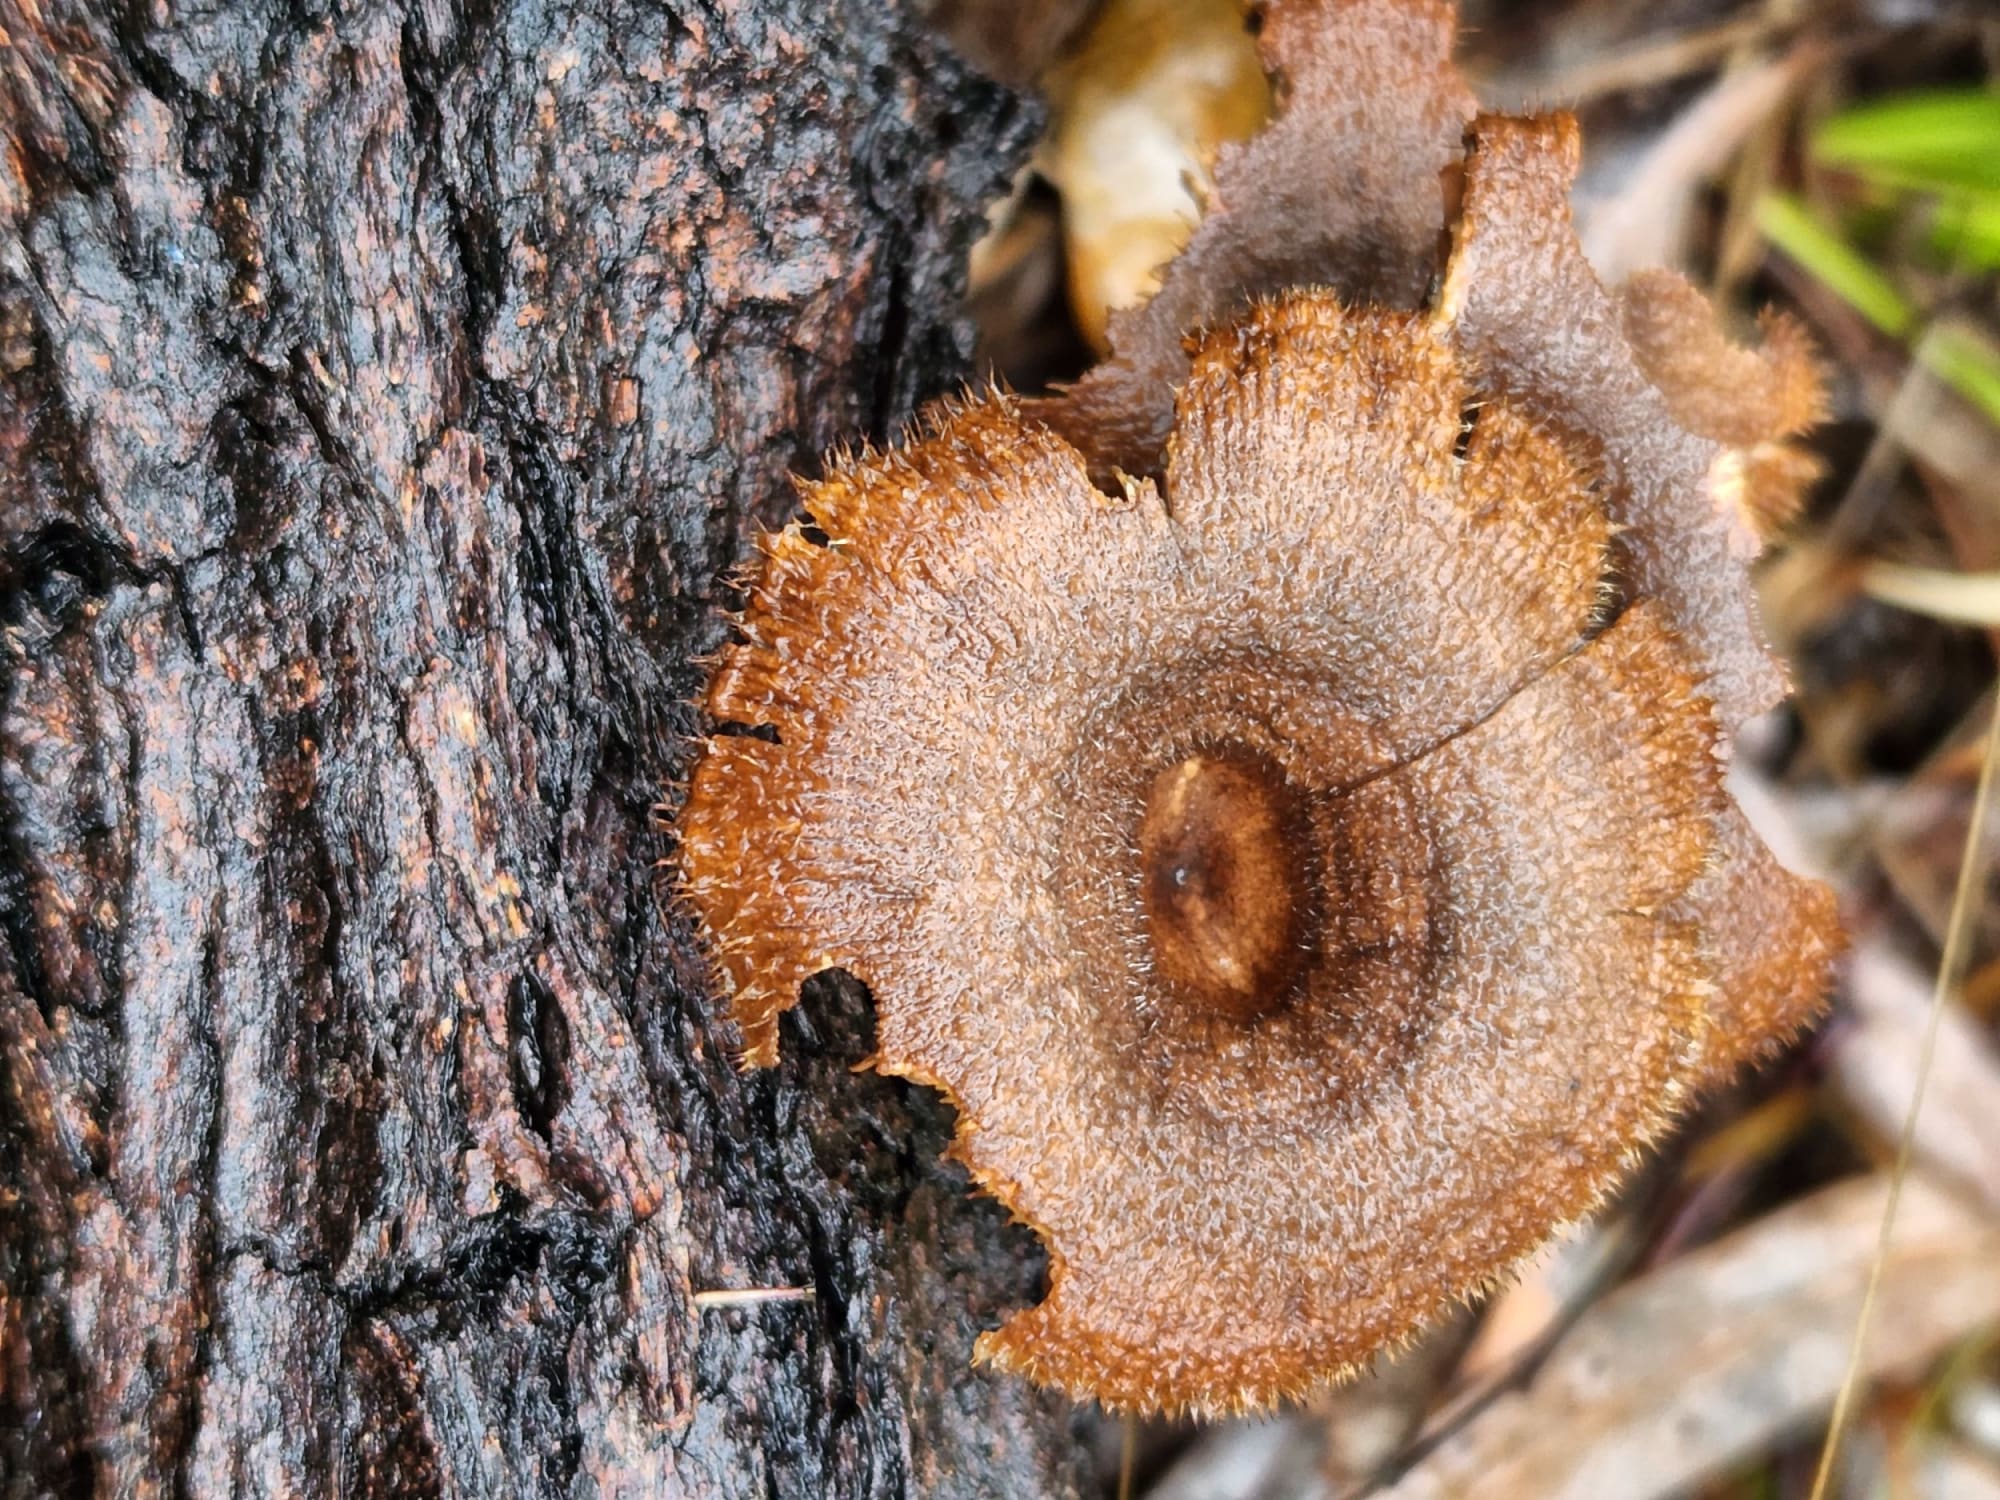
pixel 1255 789
pixel 1206 846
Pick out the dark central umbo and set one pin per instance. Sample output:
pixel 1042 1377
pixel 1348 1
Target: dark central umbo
pixel 1228 912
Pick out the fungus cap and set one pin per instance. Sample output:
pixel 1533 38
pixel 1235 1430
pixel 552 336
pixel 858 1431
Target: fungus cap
pixel 1274 866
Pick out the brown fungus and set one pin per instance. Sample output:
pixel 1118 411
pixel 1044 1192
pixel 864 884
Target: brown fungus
pixel 1305 866
pixel 1272 867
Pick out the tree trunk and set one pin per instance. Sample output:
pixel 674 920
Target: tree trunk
pixel 387 390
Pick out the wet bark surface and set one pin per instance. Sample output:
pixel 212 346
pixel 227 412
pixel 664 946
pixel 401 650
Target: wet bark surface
pixel 387 391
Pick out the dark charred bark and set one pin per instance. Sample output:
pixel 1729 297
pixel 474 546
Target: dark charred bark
pixel 386 391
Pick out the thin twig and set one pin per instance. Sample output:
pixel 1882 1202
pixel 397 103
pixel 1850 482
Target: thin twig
pixel 1951 971
pixel 1662 62
pixel 751 1296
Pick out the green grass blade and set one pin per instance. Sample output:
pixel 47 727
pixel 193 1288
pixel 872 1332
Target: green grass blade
pixel 1967 363
pixel 1967 231
pixel 1936 141
pixel 1963 359
pixel 1788 224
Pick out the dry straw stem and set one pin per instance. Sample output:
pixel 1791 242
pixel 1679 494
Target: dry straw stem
pixel 1963 598
pixel 1880 1058
pixel 1950 975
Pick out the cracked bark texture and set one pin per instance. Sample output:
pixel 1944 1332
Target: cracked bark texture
pixel 386 390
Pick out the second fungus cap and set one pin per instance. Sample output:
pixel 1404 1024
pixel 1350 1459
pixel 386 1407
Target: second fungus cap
pixel 1275 866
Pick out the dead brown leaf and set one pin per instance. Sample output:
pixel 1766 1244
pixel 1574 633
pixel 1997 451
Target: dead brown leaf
pixel 1958 1132
pixel 1712 1357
